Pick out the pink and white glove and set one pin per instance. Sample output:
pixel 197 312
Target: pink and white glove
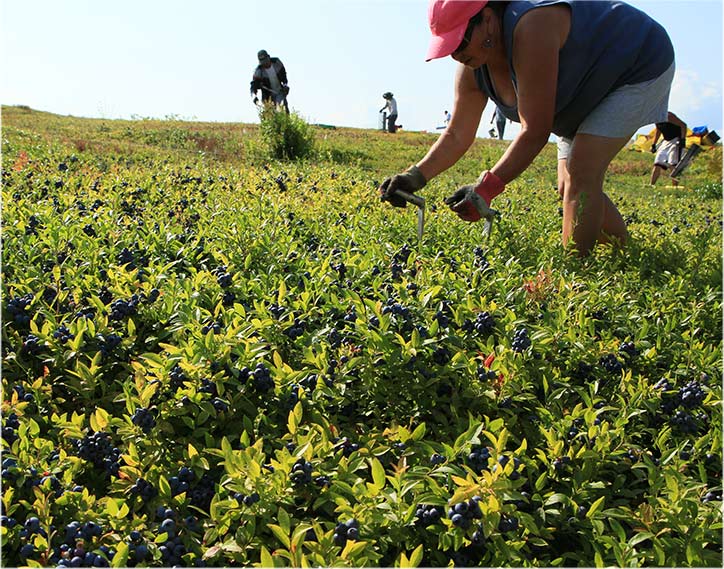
pixel 472 202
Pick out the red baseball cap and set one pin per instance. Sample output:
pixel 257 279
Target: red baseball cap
pixel 448 21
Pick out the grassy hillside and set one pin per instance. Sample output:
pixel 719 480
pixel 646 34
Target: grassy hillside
pixel 214 358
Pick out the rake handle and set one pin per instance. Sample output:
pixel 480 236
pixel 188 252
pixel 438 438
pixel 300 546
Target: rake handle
pixel 419 201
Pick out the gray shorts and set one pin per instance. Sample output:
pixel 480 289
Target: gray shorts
pixel 625 110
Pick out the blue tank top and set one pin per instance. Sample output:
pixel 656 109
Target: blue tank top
pixel 610 44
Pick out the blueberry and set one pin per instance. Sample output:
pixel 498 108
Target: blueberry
pixel 141 552
pixel 507 524
pixel 168 526
pixel 436 459
pixel 32 524
pixel 352 523
pixel 461 508
pixel 251 499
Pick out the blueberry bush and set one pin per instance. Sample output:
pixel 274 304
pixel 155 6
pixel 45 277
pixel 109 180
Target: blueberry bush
pixel 209 359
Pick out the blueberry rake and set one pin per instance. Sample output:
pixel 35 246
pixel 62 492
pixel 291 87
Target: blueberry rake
pixel 419 201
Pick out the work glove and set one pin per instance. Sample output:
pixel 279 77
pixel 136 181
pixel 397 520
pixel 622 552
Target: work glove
pixel 410 180
pixel 472 202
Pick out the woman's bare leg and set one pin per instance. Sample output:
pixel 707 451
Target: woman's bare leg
pixel 589 216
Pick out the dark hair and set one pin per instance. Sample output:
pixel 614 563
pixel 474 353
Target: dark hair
pixel 472 22
pixel 498 7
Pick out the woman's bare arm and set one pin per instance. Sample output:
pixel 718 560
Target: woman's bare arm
pixel 538 38
pixel 460 133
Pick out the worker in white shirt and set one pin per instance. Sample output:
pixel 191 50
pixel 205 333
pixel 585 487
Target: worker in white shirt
pixel 391 107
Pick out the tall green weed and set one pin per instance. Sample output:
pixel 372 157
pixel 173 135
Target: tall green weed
pixel 285 136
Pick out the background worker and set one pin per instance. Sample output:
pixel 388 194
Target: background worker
pixel 271 77
pixel 391 107
pixel 448 116
pixel 500 121
pixel 671 149
pixel 591 72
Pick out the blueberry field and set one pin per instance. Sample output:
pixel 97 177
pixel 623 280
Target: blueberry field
pixel 215 358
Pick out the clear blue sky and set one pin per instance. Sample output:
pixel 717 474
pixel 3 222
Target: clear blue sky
pixel 194 59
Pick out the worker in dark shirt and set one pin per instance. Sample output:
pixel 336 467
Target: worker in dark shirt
pixel 671 149
pixel 271 77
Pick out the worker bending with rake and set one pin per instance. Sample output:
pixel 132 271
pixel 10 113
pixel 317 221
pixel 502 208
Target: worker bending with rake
pixel 671 149
pixel 590 72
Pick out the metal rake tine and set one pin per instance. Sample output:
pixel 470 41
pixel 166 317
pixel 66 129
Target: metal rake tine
pixel 419 201
pixel 488 224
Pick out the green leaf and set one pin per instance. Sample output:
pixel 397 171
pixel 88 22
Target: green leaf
pixel 164 488
pixel 99 419
pixel 284 521
pixel 120 559
pixel 556 499
pixel 266 558
pixel 492 438
pixel 639 537
pixel 378 473
pixel 282 292
pixel 295 417
pixel 353 548
pixel 415 339
pixel 419 432
pixel 618 529
pixel 597 505
pixel 416 556
pixel 280 534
